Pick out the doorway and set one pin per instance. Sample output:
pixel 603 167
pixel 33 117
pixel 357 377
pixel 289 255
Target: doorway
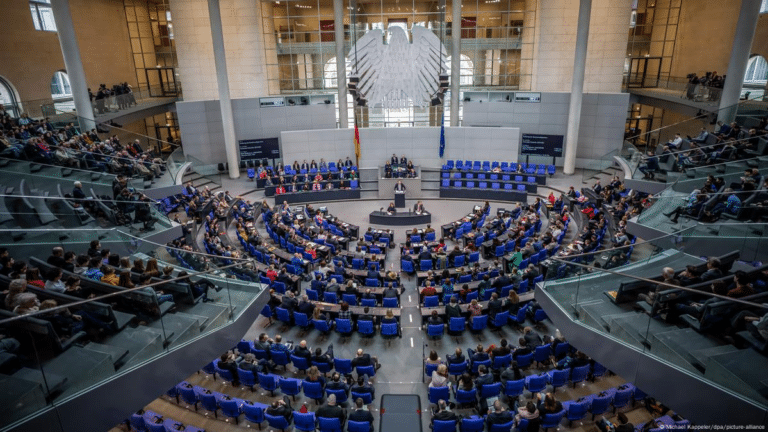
pixel 162 82
pixel 644 72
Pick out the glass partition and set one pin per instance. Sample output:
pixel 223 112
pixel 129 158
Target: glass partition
pixel 92 330
pixel 680 325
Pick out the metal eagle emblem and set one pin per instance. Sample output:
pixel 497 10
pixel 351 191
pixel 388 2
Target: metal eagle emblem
pixel 391 74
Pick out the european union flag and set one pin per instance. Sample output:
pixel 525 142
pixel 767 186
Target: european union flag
pixel 442 136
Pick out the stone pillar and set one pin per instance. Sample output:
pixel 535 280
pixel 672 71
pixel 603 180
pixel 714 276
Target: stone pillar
pixel 341 62
pixel 455 60
pixel 222 79
pixel 577 87
pixel 72 62
pixel 737 66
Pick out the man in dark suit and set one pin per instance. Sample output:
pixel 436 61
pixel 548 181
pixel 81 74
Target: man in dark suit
pixel 623 426
pixel 390 292
pixel 434 318
pixel 366 316
pixel 443 414
pixel 227 363
pixel 478 354
pixel 319 357
pixel 285 278
pixel 418 207
pixel 331 410
pixel 597 187
pixel 360 414
pixel 400 187
pixel 394 160
pixel 363 387
pixel 501 281
pixel 262 343
pixel 456 358
pixel 372 273
pixel 348 162
pixel 365 359
pixel 57 257
pixel 523 349
pixel 425 255
pixel 305 306
pixel 501 350
pixel 281 408
pixel 494 305
pixel 497 415
pixel 303 351
pixel 289 302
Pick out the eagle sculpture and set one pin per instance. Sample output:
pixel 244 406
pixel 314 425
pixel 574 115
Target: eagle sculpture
pixel 390 74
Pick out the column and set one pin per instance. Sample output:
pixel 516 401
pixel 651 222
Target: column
pixel 72 62
pixel 222 79
pixel 737 65
pixel 455 60
pixel 341 62
pixel 577 87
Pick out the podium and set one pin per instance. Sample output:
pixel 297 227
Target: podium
pixel 399 199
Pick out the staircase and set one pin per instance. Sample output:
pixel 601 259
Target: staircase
pixel 430 182
pixel 369 183
pixel 200 181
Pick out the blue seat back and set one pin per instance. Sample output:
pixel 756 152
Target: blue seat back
pixel 490 390
pixel 431 301
pixel 577 410
pixel 457 368
pixel 444 426
pixel 330 297
pixel 304 421
pixel 472 424
pixel 267 381
pixel 600 404
pixel 247 378
pixel 253 413
pixel 368 302
pixel 466 396
pixel 351 299
pixel 513 389
pixel 277 422
pixel 525 360
pixel 343 326
pixel 283 315
pixel 341 395
pixel 501 362
pixel 366 397
pixel 329 424
pixel 342 366
pixel 230 408
pixel 280 358
pixel 353 426
pixel 502 427
pixel 458 261
pixel 542 353
pixel 536 383
pixel 456 324
pixel 425 265
pixel 437 393
pixel 429 368
pixel 477 364
pixel 365 328
pixel 479 322
pixel 300 319
pixel 559 378
pixel 622 397
pixel 552 420
pixel 321 326
pixel 579 374
pixel 389 330
pixel 435 330
pixel 300 363
pixel 208 401
pixel 312 390
pixel 389 302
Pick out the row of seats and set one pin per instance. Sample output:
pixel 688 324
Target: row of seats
pixel 457 325
pixel 484 176
pixel 532 168
pixel 344 327
pixel 469 184
pixel 149 421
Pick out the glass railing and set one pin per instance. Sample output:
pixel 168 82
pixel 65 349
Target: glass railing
pixel 679 86
pixel 175 161
pixel 210 172
pixel 96 331
pixel 681 326
pixel 16 169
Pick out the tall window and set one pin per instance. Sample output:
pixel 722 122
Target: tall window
pixel 60 88
pixel 329 73
pixel 757 70
pixel 42 15
pixel 465 70
pixel 8 98
pixel 764 7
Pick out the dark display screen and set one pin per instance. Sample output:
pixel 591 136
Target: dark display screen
pixel 542 145
pixel 265 148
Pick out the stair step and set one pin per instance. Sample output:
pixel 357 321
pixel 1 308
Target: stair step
pixel 141 342
pixel 702 355
pixel 177 327
pixel 117 354
pixel 677 346
pixel 82 368
pixel 215 314
pixel 202 320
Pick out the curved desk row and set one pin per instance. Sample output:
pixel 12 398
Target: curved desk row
pixel 484 194
pixel 399 219
pixel 316 196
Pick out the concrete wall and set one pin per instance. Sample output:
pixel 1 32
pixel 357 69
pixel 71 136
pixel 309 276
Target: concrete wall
pixel 602 119
pixel 200 124
pixel 243 41
pixel 556 41
pixel 421 144
pixel 29 57
pixel 705 36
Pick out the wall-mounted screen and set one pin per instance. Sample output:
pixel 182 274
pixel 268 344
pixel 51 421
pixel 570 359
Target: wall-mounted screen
pixel 272 102
pixel 542 145
pixel 528 97
pixel 265 148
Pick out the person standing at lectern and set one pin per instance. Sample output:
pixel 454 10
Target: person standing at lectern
pixel 399 187
pixel 418 207
pixel 391 209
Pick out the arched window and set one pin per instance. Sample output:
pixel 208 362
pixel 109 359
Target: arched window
pixel 9 98
pixel 60 88
pixel 757 71
pixel 466 67
pixel 329 73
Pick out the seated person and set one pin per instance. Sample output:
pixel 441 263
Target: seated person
pixel 443 413
pixel 391 209
pixel 497 415
pixel 361 414
pixel 477 355
pixel 281 407
pixel 331 410
pixel 363 386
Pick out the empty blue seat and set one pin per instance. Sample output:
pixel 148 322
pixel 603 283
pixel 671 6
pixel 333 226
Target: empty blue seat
pixel 523 361
pixel 254 412
pixel 579 374
pixel 558 378
pixel 508 186
pixel 330 297
pixel 622 398
pixel 483 185
pixel 474 257
pixel 551 170
pixel 368 302
pixel 458 261
pixel 351 299
pixel 457 368
pixel 470 184
pixel 300 363
pixel 536 383
pixel 230 408
pixel 321 326
pixel 576 411
pixel 425 265
pixel 495 185
pixel 502 427
pixel 301 320
pixel 431 301
pixel 490 390
pixel 435 331
pixel 465 397
pixel 365 328
pixel 600 404
pixel 501 318
pixel 542 354
pixel 445 183
pixel 457 183
pixel 521 187
pixel 407 266
pixel 268 382
pixel 283 315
